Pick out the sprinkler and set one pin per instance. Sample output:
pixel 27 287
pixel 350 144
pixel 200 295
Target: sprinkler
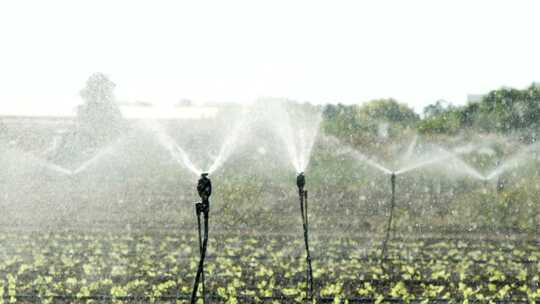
pixel 500 184
pixel 499 189
pixel 301 182
pixel 204 188
pixel 392 205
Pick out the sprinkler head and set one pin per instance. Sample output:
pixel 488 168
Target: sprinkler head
pixel 500 184
pixel 301 181
pixel 204 187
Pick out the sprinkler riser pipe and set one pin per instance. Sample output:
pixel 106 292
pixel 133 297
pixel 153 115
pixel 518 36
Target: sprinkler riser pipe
pixel 389 225
pixel 393 184
pixel 204 188
pixel 500 184
pixel 393 178
pixel 300 183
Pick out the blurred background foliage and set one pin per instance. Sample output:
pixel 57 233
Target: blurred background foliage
pixel 139 185
pixel 505 111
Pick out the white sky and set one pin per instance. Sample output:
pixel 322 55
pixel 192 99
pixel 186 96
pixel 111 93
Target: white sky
pixel 332 51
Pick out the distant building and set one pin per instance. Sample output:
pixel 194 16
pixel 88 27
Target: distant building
pixel 42 130
pixel 130 111
pixel 137 111
pixel 475 97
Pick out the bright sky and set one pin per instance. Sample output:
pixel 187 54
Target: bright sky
pixel 331 51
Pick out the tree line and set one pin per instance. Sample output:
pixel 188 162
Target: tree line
pixel 507 111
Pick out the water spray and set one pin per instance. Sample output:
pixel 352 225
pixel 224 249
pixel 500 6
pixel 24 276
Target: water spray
pixel 392 206
pixel 301 182
pixel 204 188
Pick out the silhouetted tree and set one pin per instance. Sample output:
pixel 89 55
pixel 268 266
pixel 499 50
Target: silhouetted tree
pixel 99 121
pixel 99 117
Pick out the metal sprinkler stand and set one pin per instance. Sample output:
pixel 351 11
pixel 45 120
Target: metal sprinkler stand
pixel 301 182
pixel 389 226
pixel 204 188
pixel 500 184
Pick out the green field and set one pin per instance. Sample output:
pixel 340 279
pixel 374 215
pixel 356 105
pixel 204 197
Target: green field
pixel 464 181
pixel 159 266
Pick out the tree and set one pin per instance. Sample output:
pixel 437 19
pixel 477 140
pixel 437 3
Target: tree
pixel 99 117
pixel 439 107
pixel 447 122
pixel 342 121
pixel 441 117
pixel 390 111
pixel 384 119
pixel 505 110
pixel 509 110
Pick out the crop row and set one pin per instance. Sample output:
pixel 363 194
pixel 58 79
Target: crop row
pixel 49 265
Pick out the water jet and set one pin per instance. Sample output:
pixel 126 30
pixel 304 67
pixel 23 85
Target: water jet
pixel 56 168
pixel 513 162
pixel 178 154
pixel 97 157
pixel 410 149
pixel 298 128
pixel 175 151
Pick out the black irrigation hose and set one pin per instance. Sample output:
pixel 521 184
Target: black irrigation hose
pixel 244 299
